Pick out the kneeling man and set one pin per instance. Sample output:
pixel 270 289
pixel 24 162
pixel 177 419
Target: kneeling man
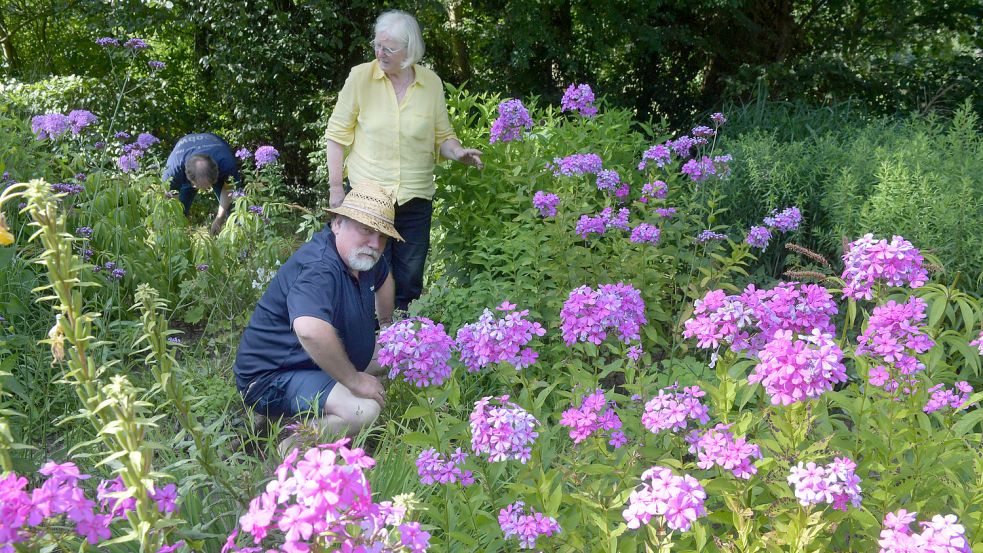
pixel 310 343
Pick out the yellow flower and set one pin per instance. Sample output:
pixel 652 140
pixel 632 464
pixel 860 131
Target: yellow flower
pixel 6 237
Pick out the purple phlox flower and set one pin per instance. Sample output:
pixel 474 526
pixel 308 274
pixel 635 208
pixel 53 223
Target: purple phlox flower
pixel 943 534
pixel 80 119
pixel 122 135
pixel 156 65
pixel 243 153
pixel 634 353
pixel 645 233
pixel 113 497
pixel 413 537
pixel 674 408
pixel 265 155
pixel 956 398
pixel 708 235
pixel 786 220
pixel 174 340
pixel 835 483
pixel 608 180
pixel 758 237
pixel 588 225
pixel 703 132
pixel 660 154
pixel 654 190
pixel 588 314
pixel 418 349
pixel 512 118
pixel 435 468
pixel 117 274
pixel 136 44
pixel 797 369
pixel 166 497
pixel 106 42
pixel 868 261
pixel 50 125
pixel 493 340
pixel 683 146
pixel 145 140
pixel 256 209
pixel 546 203
pixel 894 335
pixel 502 430
pixel 665 212
pixel 69 188
pixel 237 194
pixel 677 500
pixel 201 267
pixel 699 170
pixel 718 119
pixel 718 446
pixel 978 342
pixel 576 164
pixel 79 177
pixel 593 415
pixel 579 98
pixel 129 162
pixel 619 221
pixel 527 526
pixel 84 232
pixel 171 548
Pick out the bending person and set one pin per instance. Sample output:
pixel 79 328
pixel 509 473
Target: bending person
pixel 392 116
pixel 200 162
pixel 310 343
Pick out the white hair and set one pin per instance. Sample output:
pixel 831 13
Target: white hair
pixel 402 27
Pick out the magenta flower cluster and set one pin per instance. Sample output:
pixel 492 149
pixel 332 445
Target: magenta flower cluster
pixel 956 398
pixel 265 155
pixel 676 500
pixel 797 369
pixel 513 117
pixel 895 333
pixel 527 526
pixel 645 233
pixel 942 534
pixel 758 237
pixel 499 340
pixel 718 446
pixel 435 468
pixel 656 190
pixel 835 483
pixel 589 314
pixel 785 220
pixel 418 349
pixel 978 342
pixel 546 203
pixel 699 170
pixel 594 414
pixel 579 98
pixel 324 499
pixel 576 164
pixel 868 261
pixel 53 125
pixel 674 408
pixel 596 224
pixel 502 430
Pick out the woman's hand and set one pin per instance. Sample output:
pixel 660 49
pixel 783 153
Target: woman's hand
pixel 336 195
pixel 470 156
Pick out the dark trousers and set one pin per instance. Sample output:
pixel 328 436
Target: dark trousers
pixel 407 259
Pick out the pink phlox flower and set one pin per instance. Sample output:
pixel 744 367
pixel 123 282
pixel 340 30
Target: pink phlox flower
pixel 588 314
pixel 943 534
pixel 166 498
pixel 546 203
pixel 493 340
pixel 895 333
pixel 513 117
pixel 503 431
pixel 413 538
pixel 527 526
pixel 673 409
pixel 677 499
pixel 718 446
pixel 433 468
pixel 797 369
pixel 94 528
pixel 956 398
pixel 418 349
pixel 978 342
pixel 835 483
pixel 867 261
pixel 594 414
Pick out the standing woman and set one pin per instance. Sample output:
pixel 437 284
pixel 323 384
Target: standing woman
pixel 391 115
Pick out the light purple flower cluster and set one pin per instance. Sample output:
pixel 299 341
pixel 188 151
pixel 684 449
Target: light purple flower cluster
pixel 265 155
pixel 674 408
pixel 107 41
pixel 758 237
pixel 677 500
pixel 594 414
pixel 619 221
pixel 708 235
pixel 943 534
pixel 588 314
pixel 699 170
pixel 492 340
pixel 201 267
pixel 512 118
pixel 576 164
pixel 798 369
pixel 703 131
pixel 434 468
pixel 655 190
pixel 546 203
pixel 894 335
pixel 243 154
pixel 785 220
pixel 895 263
pixel 53 125
pixel 608 180
pixel 319 502
pixel 84 232
pixel 156 65
pixel 717 446
pixel 502 430
pixel 527 526
pixel 835 483
pixel 136 44
pixel 68 188
pixel 645 233
pixel 109 495
pixel 130 160
pixel 588 225
pixel 659 154
pixel 978 342
pixel 718 119
pixel 683 146
pixel 417 348
pixel 943 397
pixel 665 212
pixel 579 98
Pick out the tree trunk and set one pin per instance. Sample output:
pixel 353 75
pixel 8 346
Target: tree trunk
pixel 459 50
pixel 7 45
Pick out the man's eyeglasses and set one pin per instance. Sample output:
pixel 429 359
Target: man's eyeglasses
pixel 385 49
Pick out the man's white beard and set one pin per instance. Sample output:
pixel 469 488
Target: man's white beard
pixel 358 260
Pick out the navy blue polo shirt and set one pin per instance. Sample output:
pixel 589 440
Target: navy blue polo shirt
pixel 202 143
pixel 314 282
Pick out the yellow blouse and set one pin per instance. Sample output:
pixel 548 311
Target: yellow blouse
pixel 393 145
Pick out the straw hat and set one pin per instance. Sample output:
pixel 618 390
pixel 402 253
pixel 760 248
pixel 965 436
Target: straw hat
pixel 370 204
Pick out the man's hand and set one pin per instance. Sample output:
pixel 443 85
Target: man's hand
pixel 216 227
pixel 336 195
pixel 367 386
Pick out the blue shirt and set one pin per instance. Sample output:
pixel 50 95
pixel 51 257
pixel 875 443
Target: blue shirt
pixel 314 282
pixel 202 143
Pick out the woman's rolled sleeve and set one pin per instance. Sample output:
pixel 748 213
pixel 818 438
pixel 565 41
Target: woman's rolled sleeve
pixel 341 124
pixel 443 131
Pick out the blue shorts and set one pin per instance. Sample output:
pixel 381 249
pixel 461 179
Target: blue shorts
pixel 290 393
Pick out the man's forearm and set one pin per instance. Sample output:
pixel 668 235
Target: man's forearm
pixel 385 301
pixel 320 340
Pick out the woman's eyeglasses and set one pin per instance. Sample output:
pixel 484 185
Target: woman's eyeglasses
pixel 384 49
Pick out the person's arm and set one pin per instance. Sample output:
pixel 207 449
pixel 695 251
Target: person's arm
pixel 336 170
pixel 320 340
pixel 385 301
pixel 452 149
pixel 224 207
